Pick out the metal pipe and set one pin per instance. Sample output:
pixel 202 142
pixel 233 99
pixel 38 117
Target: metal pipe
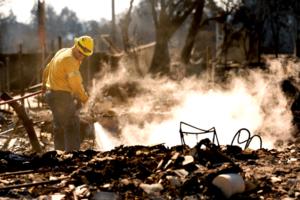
pixel 20 98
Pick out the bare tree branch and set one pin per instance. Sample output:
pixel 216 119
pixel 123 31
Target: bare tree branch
pixel 124 24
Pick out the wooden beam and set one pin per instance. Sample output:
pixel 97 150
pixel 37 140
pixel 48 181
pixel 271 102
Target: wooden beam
pixel 27 122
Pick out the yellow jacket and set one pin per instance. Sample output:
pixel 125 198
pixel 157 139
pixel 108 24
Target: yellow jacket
pixel 62 74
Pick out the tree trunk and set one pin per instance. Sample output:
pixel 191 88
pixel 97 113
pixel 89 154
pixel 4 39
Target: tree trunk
pixel 124 24
pixel 297 40
pixel 161 58
pixel 298 46
pixel 260 36
pixel 190 39
pixel 113 21
pixel 275 28
pixel 168 16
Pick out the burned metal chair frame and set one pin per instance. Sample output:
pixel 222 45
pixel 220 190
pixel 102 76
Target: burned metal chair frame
pixel 248 140
pixel 200 131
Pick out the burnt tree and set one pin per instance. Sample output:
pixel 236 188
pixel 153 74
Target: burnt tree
pixel 193 30
pixel 168 16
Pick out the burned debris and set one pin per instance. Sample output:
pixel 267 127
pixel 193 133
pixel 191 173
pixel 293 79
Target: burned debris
pixel 206 171
pixel 154 172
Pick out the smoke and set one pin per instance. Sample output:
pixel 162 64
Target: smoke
pixel 148 111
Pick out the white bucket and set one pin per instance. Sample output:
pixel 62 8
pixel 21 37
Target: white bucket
pixel 229 184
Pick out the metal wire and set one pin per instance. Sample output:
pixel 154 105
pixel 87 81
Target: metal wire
pixel 248 139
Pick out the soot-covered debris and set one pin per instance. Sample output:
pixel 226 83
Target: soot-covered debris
pixel 152 172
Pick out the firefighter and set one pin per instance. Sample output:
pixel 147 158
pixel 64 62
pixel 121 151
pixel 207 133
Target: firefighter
pixel 62 84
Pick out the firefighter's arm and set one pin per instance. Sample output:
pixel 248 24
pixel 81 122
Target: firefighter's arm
pixel 45 77
pixel 75 83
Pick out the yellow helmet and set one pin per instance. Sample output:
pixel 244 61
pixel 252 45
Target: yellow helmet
pixel 85 44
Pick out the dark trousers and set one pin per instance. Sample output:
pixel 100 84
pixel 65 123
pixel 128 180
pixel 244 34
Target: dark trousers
pixel 66 123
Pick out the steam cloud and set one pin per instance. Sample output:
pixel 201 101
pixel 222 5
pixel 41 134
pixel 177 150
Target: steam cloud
pixel 149 110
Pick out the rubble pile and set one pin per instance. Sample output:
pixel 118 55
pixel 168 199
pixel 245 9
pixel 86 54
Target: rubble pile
pixel 153 172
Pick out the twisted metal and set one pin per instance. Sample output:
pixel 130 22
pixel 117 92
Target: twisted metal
pixel 248 140
pixel 200 131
